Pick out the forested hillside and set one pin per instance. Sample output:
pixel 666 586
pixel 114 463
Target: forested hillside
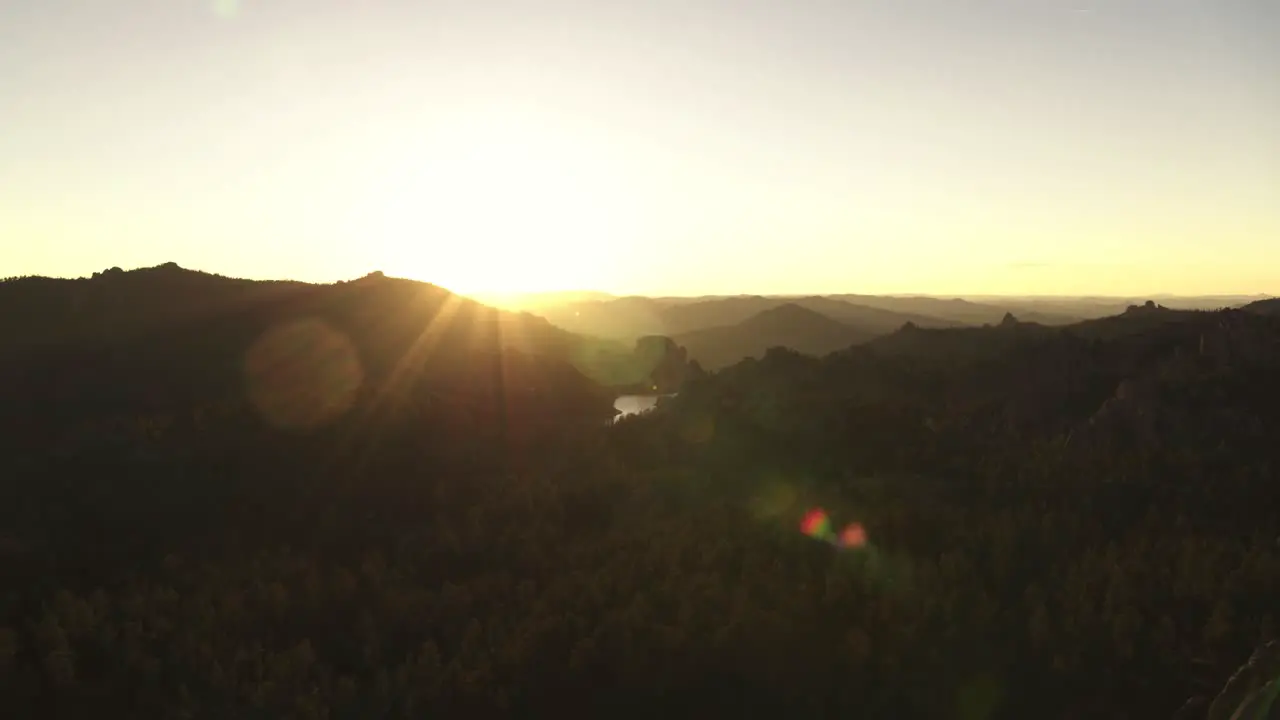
pixel 792 326
pixel 355 501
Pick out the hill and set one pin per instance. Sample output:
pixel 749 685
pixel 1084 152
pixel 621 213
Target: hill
pixel 1149 317
pixel 379 499
pixel 166 336
pixel 964 312
pixel 945 346
pixel 632 317
pixel 622 319
pixel 721 312
pixel 791 325
pixel 1136 325
pixel 1092 307
pixel 871 319
pixel 1270 306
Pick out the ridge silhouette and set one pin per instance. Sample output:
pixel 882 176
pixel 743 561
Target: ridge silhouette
pixel 224 497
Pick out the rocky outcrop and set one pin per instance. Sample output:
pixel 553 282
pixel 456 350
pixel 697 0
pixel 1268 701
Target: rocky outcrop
pixel 663 363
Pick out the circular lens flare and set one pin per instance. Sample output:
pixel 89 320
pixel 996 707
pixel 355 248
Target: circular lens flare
pixel 302 375
pixel 816 524
pixel 853 536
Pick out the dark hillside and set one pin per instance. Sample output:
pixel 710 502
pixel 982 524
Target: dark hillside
pixel 872 320
pixel 378 499
pixel 632 317
pixel 1270 306
pixel 957 310
pixel 791 326
pixel 384 317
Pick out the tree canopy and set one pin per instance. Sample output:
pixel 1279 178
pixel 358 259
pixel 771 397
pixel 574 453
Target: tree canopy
pixel 376 499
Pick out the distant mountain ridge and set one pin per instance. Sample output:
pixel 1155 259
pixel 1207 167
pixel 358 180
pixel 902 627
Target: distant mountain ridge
pixel 957 310
pixel 818 326
pixel 377 497
pixel 178 338
pixel 791 325
pixel 873 319
pixel 716 331
pixel 630 317
pixel 1269 306
pixel 634 316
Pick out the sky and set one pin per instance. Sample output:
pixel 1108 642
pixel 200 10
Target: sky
pixel 671 147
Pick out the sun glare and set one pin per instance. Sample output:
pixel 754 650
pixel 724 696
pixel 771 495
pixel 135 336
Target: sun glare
pixel 496 208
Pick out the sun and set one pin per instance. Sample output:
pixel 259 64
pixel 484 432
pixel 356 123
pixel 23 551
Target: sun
pixel 497 208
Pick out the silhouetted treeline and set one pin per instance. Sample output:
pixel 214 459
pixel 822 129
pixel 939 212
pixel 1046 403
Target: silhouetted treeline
pixel 376 499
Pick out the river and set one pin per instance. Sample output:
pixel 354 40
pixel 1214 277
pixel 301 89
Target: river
pixel 634 404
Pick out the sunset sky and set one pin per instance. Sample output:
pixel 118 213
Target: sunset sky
pixel 665 146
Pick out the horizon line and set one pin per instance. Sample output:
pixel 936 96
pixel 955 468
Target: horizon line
pixel 515 294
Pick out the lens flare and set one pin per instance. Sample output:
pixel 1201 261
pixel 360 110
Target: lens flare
pixel 853 536
pixel 302 375
pixel 816 524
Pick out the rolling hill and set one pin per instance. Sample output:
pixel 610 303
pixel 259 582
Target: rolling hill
pixel 791 325
pixel 626 318
pixel 462 537
pixel 1270 306
pixel 631 317
pixel 166 340
pixel 871 319
pixel 961 311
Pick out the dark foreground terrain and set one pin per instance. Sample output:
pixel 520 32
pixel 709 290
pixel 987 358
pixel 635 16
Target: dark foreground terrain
pixel 374 499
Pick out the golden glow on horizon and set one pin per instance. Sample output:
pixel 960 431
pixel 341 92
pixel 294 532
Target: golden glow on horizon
pixel 498 206
pixel 665 149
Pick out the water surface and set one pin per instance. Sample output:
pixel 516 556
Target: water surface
pixel 634 404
